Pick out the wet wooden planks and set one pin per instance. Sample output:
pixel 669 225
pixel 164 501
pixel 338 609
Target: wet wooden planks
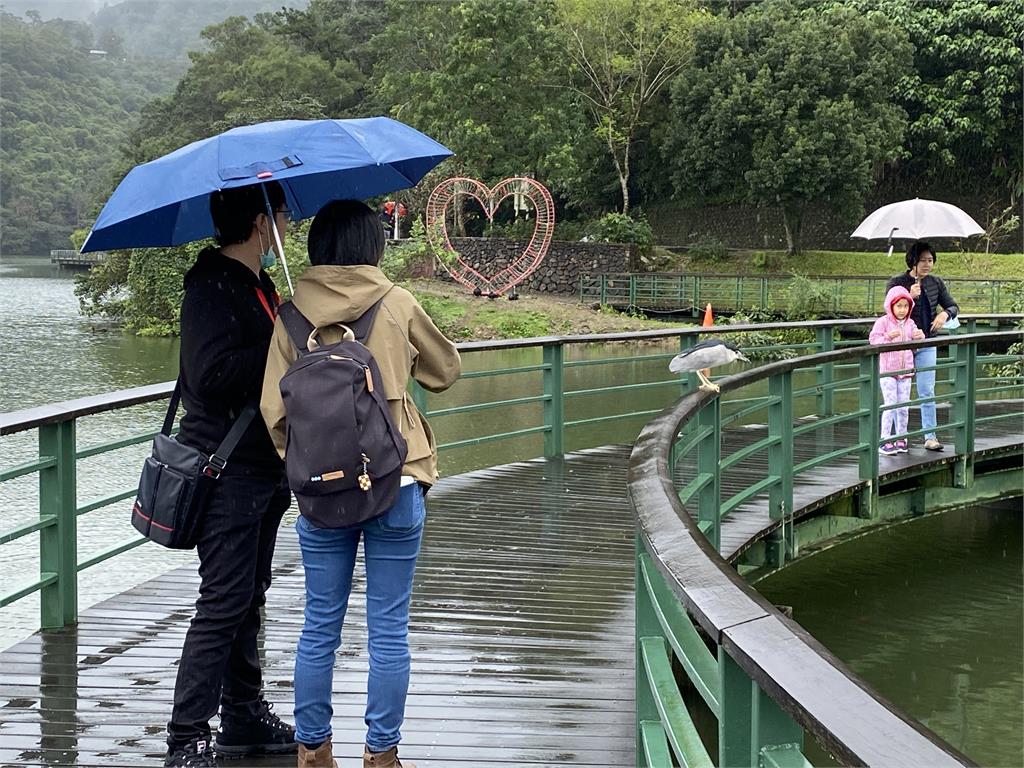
pixel 522 638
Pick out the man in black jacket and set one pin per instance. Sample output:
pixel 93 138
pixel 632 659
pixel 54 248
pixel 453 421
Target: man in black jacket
pixel 933 307
pixel 227 318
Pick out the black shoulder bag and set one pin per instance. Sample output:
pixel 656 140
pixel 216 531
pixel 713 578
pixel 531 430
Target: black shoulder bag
pixel 176 479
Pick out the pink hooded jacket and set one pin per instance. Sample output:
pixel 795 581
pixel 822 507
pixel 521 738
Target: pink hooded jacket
pixel 903 360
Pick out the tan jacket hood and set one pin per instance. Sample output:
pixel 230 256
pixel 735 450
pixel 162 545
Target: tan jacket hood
pixel 330 294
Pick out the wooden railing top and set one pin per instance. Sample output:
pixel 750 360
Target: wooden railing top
pixel 30 418
pixel 838 709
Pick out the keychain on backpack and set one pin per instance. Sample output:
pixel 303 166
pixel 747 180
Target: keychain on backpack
pixel 364 479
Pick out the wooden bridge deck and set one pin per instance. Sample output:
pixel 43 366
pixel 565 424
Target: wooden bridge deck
pixel 522 625
pixel 521 634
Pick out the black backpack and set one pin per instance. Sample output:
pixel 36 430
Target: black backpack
pixel 344 454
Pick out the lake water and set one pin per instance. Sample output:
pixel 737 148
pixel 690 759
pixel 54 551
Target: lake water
pixel 931 613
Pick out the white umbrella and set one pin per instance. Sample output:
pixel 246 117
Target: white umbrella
pixel 916 219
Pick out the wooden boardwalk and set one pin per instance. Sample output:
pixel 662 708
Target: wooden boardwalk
pixel 521 635
pixel 522 625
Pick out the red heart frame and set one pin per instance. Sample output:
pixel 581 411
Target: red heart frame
pixel 523 265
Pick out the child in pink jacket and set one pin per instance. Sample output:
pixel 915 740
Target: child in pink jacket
pixel 891 328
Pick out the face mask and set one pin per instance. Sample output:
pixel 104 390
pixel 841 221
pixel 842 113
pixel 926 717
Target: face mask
pixel 267 258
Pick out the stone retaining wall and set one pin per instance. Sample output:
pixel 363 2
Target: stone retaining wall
pixel 561 269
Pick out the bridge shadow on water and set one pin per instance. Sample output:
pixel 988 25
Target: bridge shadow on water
pixel 521 635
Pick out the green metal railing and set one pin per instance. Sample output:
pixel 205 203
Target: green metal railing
pixel 760 676
pixel 849 296
pixel 559 417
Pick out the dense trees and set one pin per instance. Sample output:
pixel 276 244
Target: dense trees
pixel 64 115
pixel 611 103
pixel 786 105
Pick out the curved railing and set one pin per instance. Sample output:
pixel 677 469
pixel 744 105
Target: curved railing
pixel 763 678
pixel 561 377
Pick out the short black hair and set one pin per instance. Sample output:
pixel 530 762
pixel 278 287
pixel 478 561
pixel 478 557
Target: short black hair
pixel 914 253
pixel 235 210
pixel 345 233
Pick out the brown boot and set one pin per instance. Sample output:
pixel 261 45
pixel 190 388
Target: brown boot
pixel 321 757
pixel 387 759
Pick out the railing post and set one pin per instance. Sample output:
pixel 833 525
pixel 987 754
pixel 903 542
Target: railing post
pixel 780 462
pixel 554 421
pixel 964 406
pixel 764 293
pixel 632 292
pixel 868 432
pixel 604 289
pixel 824 401
pixel 735 742
pixel 773 730
pixel 58 544
pixel 646 625
pixel 709 457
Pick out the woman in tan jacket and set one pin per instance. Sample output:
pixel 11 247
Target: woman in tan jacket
pixel 345 246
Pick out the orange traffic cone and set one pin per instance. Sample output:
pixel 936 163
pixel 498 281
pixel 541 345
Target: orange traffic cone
pixel 709 320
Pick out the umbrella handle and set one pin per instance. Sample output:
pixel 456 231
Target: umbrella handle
pixel 277 240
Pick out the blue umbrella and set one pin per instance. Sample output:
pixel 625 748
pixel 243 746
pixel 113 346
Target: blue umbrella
pixel 166 201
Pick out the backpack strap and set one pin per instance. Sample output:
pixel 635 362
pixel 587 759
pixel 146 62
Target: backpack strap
pixel 296 324
pixel 362 326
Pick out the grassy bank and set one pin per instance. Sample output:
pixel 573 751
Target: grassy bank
pixel 992 266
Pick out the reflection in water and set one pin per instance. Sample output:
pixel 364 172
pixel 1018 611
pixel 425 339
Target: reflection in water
pixel 930 613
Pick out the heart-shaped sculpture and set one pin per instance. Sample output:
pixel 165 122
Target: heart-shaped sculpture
pixel 520 267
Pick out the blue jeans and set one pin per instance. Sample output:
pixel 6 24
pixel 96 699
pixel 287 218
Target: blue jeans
pixel 391 544
pixel 925 382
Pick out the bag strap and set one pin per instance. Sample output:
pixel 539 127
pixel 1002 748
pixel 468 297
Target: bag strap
pixel 299 328
pixel 219 458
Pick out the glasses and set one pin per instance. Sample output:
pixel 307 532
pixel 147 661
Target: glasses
pixel 286 212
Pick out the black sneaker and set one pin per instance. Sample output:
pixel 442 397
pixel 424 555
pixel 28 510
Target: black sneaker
pixel 265 734
pixel 195 754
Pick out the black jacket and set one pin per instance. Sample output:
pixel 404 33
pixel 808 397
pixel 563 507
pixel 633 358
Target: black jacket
pixel 935 299
pixel 225 335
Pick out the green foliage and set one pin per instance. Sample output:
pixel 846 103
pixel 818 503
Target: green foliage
pixel 482 77
pixel 64 115
pixel 757 344
pixel 513 324
pixel 414 256
pixel 963 94
pixel 622 228
pixel 1015 368
pixel 708 248
pixel 624 53
pixel 788 103
pixel 808 298
pixel 765 262
pixel 446 314
pixel 165 30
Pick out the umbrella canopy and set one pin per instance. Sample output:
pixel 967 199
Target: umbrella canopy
pixel 916 219
pixel 166 201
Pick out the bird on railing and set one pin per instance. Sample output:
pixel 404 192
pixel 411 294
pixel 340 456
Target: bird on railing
pixel 708 354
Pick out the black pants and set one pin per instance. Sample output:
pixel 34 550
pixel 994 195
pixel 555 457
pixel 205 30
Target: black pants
pixel 219 661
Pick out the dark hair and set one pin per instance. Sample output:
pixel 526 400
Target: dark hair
pixel 345 233
pixel 914 253
pixel 234 211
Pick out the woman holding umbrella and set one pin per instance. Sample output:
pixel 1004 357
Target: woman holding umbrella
pixel 933 307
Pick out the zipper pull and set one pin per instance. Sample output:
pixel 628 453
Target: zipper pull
pixel 364 479
pixel 369 378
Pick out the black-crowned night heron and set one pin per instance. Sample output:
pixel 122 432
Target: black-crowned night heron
pixel 708 354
